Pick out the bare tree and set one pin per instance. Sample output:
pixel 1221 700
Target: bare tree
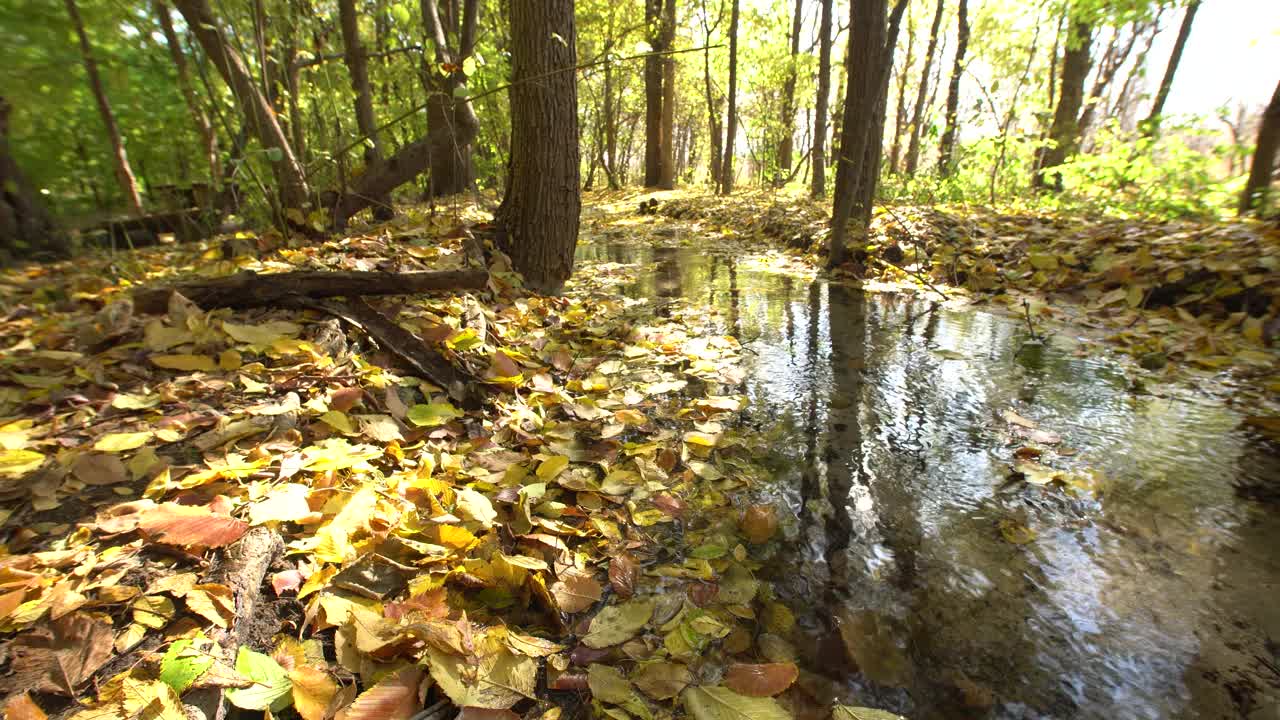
pixel 946 147
pixel 1152 123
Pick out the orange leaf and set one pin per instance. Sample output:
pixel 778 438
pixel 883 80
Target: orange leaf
pixel 22 707
pixel 313 690
pixel 395 698
pixel 622 575
pixel 765 680
pixel 175 524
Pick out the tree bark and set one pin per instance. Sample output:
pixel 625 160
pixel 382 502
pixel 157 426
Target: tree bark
pixel 818 189
pixel 1064 134
pixel 1264 158
pixel 1112 61
pixel 25 224
pixel 357 63
pixel 1152 123
pixel 451 121
pixel 900 117
pixel 667 165
pixel 786 147
pixel 726 168
pixel 538 217
pixel 869 58
pixel 254 106
pixel 946 147
pixel 208 138
pixel 124 173
pixel 654 21
pixel 917 114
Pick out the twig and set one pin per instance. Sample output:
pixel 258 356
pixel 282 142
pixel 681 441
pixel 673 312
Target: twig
pixel 1026 307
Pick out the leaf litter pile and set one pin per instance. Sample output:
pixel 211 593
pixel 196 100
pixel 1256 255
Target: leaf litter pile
pixel 263 511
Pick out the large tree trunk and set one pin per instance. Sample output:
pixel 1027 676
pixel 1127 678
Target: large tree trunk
pixel 254 106
pixel 947 146
pixel 1152 123
pixel 917 114
pixel 357 61
pixel 818 188
pixel 208 138
pixel 786 147
pixel 451 121
pixel 25 225
pixel 1264 158
pixel 538 218
pixel 726 168
pixel 1065 132
pixel 124 173
pixel 868 62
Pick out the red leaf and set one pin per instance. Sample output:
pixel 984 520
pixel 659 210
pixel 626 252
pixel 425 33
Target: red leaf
pixel 395 698
pixel 668 504
pixel 765 680
pixel 175 524
pixel 571 681
pixel 622 575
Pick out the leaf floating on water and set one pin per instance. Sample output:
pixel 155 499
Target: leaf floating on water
pixel 759 523
pixel 1016 532
pixel 662 680
pixel 719 703
pixel 1014 418
pixel 607 683
pixel 764 680
pixel 617 624
pixel 849 712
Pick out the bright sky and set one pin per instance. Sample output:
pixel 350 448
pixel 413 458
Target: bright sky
pixel 1233 54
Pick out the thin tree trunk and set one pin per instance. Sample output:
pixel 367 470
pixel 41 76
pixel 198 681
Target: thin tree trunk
pixel 653 17
pixel 610 119
pixel 1112 61
pixel 1152 123
pixel 900 116
pixel 124 173
pixel 715 127
pixel 726 168
pixel 539 215
pixel 917 115
pixel 818 189
pixel 1064 135
pixel 1264 157
pixel 946 148
pixel 254 106
pixel 208 138
pixel 786 148
pixel 357 63
pixel 451 121
pixel 868 61
pixel 667 160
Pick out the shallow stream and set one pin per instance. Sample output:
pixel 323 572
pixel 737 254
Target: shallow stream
pixel 1151 590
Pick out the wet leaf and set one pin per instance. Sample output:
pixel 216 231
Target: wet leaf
pixel 765 680
pixel 617 624
pixel 718 703
pixel 622 575
pixel 759 523
pixel 662 680
pixel 607 683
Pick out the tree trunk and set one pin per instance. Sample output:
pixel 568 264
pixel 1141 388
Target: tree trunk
pixel 786 148
pixel 1152 123
pixel 715 128
pixel 538 218
pixel 726 168
pixel 818 188
pixel 667 164
pixel 1064 135
pixel 1112 61
pixel 254 106
pixel 124 173
pixel 946 148
pixel 357 62
pixel 1264 158
pixel 25 225
pixel 451 121
pixel 654 21
pixel 208 138
pixel 917 114
pixel 869 59
pixel 900 117
pixel 610 119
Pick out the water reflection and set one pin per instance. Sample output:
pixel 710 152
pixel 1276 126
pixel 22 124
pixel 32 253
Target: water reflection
pixel 1152 597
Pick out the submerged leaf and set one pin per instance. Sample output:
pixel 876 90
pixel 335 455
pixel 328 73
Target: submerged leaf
pixel 718 703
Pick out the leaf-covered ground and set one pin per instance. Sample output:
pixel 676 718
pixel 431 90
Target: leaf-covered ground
pixel 1184 298
pixel 575 543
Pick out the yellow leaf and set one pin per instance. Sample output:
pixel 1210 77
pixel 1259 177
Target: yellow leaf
pixel 230 360
pixel 187 362
pixel 14 463
pixel 122 442
pixel 552 466
pixel 313 689
pixel 338 421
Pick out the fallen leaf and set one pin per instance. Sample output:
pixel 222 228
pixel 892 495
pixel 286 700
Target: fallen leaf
pixel 849 712
pixel 99 469
pixel 719 703
pixel 608 684
pixel 185 362
pixel 576 590
pixel 271 689
pixel 622 575
pixel 122 442
pixel 185 525
pixel 59 657
pixel 617 624
pixel 759 523
pixel 313 689
pixel 22 707
pixel 662 680
pixel 764 680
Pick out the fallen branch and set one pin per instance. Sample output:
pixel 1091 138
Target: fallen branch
pixel 249 289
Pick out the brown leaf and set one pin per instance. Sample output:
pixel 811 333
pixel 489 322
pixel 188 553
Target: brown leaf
pixel 395 698
pixel 213 602
pixel 427 605
pixel 475 713
pixel 759 523
pixel 99 469
pixel 59 657
pixel 343 399
pixel 22 707
pixel 185 525
pixel 764 680
pixel 122 518
pixel 622 575
pixel 576 591
pixel 503 366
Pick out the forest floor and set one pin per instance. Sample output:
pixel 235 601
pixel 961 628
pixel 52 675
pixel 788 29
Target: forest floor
pixel 585 514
